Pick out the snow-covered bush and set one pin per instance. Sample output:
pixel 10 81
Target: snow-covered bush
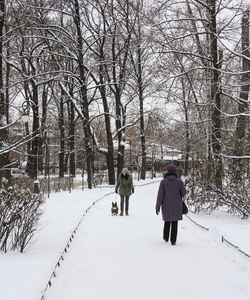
pixel 52 184
pixel 20 211
pixel 56 184
pixel 23 184
pixel 206 197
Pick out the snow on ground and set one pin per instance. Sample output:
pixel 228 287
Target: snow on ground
pixel 113 257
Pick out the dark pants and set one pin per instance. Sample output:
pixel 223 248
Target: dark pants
pixel 174 230
pixel 126 203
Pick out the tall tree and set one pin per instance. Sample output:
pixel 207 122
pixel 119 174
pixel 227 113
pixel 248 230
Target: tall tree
pixel 4 140
pixel 121 33
pixel 215 92
pixel 83 93
pixel 138 71
pixel 243 107
pixel 101 27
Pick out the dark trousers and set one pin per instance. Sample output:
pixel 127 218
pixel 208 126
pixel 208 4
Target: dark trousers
pixel 126 203
pixel 174 229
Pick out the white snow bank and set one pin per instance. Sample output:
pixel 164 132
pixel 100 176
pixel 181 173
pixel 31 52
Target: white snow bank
pixel 125 257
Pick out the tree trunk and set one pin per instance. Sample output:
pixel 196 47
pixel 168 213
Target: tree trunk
pixel 120 133
pixel 41 140
pixel 119 73
pixel 84 98
pixel 72 165
pixel 35 132
pixel 243 118
pixel 215 95
pixel 4 140
pixel 62 138
pixel 138 71
pixel 110 153
pixel 187 133
pixel 142 126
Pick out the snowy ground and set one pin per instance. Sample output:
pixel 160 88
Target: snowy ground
pixel 125 257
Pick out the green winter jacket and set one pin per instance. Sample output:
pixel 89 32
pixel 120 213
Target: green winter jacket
pixel 125 185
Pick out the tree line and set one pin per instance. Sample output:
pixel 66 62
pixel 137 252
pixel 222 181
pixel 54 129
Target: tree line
pixel 173 73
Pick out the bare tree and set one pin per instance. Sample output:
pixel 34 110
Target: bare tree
pixel 4 140
pixel 243 108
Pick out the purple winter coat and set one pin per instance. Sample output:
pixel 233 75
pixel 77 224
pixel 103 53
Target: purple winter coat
pixel 169 198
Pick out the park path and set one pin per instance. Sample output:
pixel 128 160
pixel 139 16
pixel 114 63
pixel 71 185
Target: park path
pixel 125 258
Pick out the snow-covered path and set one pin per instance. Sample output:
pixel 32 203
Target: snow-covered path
pixel 126 258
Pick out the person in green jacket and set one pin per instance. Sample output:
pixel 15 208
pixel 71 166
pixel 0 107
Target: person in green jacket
pixel 126 188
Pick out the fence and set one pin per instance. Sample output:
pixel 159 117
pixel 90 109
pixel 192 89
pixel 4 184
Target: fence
pixel 52 184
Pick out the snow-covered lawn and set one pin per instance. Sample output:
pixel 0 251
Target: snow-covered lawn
pixel 113 257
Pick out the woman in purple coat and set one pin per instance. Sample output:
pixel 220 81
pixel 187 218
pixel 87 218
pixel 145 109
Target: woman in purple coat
pixel 169 199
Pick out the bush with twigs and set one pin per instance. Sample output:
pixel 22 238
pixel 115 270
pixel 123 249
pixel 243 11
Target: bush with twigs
pixel 20 211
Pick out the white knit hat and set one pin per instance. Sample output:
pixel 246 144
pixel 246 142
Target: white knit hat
pixel 125 170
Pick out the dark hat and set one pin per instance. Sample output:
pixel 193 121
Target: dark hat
pixel 172 168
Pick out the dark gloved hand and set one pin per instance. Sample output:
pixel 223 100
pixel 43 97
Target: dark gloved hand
pixel 116 191
pixel 157 212
pixel 133 191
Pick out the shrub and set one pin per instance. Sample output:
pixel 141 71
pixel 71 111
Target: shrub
pixel 20 211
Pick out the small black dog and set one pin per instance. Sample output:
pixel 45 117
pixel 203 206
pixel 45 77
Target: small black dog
pixel 114 209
